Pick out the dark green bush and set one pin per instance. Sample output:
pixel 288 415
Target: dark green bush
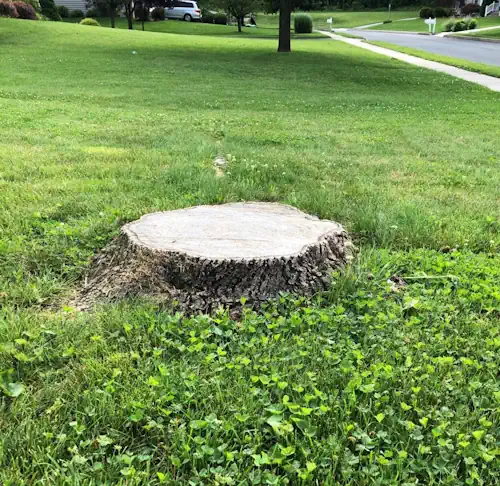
pixel 76 14
pixel 141 14
pixel 207 17
pixel 158 13
pixel 470 9
pixel 90 21
pixel 92 13
pixel 356 6
pixel 220 19
pixel 63 11
pixel 25 11
pixel 49 10
pixel 7 9
pixel 440 12
pixel 426 12
pixel 388 21
pixel 303 24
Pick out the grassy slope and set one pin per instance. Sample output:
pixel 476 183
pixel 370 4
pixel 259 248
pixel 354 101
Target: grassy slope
pixel 391 386
pixel 198 28
pixel 267 24
pixel 420 26
pixel 461 63
pixel 489 34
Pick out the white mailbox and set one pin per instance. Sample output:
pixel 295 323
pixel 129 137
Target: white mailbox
pixel 432 25
pixel 329 20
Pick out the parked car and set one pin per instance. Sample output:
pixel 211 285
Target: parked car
pixel 181 10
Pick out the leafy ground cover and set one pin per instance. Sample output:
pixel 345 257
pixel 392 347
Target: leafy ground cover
pixel 418 25
pixel 375 382
pixel 452 61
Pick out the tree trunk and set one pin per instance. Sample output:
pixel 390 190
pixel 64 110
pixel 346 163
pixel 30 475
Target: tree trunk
pixel 284 34
pixel 143 15
pixel 208 256
pixel 112 13
pixel 128 13
pixel 239 24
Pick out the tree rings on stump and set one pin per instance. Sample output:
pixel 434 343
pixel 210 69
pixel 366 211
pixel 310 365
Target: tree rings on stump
pixel 207 256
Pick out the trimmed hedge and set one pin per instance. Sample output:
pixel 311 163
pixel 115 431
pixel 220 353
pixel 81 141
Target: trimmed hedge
pixel 303 23
pixel 25 11
pixel 76 14
pixel 8 9
pixel 426 12
pixel 90 21
pixel 220 19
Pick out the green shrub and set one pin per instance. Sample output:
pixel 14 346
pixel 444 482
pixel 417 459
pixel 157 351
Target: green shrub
pixel 303 24
pixel 49 9
pixel 448 26
pixel 207 17
pixel 76 14
pixel 63 11
pixel 387 21
pixel 90 21
pixel 220 19
pixel 25 11
pixel 460 25
pixel 357 6
pixel 92 13
pixel 35 4
pixel 7 9
pixel 426 12
pixel 158 13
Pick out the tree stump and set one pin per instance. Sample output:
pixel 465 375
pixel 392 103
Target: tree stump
pixel 207 256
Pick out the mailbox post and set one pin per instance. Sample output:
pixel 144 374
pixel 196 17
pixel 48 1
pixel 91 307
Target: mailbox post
pixel 432 25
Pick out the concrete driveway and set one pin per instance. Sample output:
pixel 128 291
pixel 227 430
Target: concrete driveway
pixel 483 52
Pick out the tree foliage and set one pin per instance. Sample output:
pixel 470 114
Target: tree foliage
pixel 239 9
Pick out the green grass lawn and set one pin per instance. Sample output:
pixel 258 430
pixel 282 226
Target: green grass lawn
pixel 489 34
pixel 198 28
pixel 356 19
pixel 453 61
pixel 419 25
pixel 368 384
pixel 267 24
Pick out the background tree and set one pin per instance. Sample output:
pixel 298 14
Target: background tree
pixel 128 6
pixel 49 10
pixel 108 6
pixel 239 9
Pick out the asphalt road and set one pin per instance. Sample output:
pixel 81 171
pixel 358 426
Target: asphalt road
pixel 483 52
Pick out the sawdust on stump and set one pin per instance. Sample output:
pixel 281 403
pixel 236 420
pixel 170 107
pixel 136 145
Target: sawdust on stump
pixel 207 256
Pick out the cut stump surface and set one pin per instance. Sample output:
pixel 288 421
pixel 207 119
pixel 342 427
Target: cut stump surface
pixel 206 256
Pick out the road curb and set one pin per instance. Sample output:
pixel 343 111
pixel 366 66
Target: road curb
pixel 391 31
pixel 473 38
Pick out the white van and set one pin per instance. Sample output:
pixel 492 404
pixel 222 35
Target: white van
pixel 181 10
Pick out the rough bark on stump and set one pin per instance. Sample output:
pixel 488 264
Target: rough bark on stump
pixel 166 256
